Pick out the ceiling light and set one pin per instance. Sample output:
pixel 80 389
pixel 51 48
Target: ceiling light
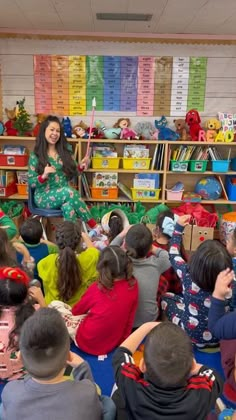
pixel 135 17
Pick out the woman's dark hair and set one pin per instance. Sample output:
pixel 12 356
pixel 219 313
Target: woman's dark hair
pixel 160 219
pixel 115 225
pixel 210 258
pixel 113 264
pixel 7 253
pixel 13 294
pixel 41 149
pixel 68 238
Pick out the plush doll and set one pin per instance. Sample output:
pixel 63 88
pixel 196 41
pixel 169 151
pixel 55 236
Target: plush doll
pixel 165 133
pixel 146 131
pixel 108 133
pixel 193 120
pixel 126 132
pixel 67 127
pixel 181 128
pixel 40 118
pixel 9 125
pixel 80 131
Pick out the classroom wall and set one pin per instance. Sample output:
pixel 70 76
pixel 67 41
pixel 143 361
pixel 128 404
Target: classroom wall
pixel 16 63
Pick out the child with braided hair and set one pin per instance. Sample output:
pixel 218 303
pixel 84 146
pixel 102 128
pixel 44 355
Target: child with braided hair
pixel 67 275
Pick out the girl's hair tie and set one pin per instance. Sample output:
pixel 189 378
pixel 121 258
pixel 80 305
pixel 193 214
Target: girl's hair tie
pixel 15 274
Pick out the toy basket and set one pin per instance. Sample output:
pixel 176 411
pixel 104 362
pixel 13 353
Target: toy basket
pixel 13 160
pixel 198 165
pixel 22 189
pixel 136 163
pixel 105 162
pixel 179 166
pixel 174 195
pixel 145 193
pixel 220 165
pixel 104 193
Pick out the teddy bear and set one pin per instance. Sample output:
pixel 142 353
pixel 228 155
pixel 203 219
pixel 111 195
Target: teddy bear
pixel 181 128
pixel 193 120
pixel 39 118
pixel 9 125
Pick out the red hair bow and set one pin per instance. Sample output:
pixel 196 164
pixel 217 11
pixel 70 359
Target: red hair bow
pixel 15 274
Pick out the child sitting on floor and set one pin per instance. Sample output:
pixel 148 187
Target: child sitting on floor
pixel 168 384
pixel 149 263
pixel 15 307
pixel 104 315
pixel 165 224
pixel 231 248
pixel 198 277
pixel 31 233
pixel 112 224
pixel 67 274
pixel 223 326
pixel 45 351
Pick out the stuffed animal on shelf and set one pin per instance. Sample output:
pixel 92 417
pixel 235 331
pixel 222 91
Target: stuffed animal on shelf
pixel 9 125
pixel 67 127
pixel 181 128
pixel 108 133
pixel 126 132
pixel 193 120
pixel 165 133
pixel 40 118
pixel 80 131
pixel 213 125
pixel 146 131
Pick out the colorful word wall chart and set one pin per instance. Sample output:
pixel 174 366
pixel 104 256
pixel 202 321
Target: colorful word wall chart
pixel 146 86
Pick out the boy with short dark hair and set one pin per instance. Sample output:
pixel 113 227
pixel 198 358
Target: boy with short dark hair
pixel 149 263
pixel 31 232
pixel 168 382
pixel 45 351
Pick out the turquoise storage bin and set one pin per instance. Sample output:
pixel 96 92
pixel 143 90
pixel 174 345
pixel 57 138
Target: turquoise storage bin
pixel 233 164
pixel 220 165
pixel 230 187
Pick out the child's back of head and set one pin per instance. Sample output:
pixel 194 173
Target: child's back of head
pixel 168 356
pixel 210 258
pixel 138 241
pixel 114 264
pixel 44 344
pixel 31 231
pixel 165 225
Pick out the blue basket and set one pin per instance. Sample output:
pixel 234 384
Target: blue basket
pixel 220 165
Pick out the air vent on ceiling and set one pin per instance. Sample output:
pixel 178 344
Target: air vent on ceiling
pixel 135 17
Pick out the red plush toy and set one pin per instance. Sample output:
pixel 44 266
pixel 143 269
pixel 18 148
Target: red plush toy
pixel 193 120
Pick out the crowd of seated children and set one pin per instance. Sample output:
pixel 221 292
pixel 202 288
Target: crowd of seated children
pixel 198 277
pixel 223 326
pixel 67 274
pixel 45 351
pixel 31 233
pixel 149 263
pixel 168 384
pixel 104 315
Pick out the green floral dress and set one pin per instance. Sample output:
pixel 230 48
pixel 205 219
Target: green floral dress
pixel 55 192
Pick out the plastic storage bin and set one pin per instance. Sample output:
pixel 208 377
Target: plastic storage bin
pixel 230 187
pixel 13 160
pixel 174 195
pixel 136 163
pixel 233 164
pixel 9 190
pixel 104 193
pixel 179 166
pixel 105 162
pixel 220 165
pixel 22 189
pixel 198 165
pixel 145 193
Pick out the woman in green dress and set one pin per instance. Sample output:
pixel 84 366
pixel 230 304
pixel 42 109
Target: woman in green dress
pixel 51 167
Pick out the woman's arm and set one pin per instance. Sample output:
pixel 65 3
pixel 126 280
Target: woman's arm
pixel 35 180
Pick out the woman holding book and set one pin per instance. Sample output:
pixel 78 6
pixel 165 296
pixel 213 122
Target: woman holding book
pixel 51 167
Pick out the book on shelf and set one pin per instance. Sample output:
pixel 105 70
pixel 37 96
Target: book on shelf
pixel 214 153
pixel 104 151
pixel 154 158
pixel 136 151
pixel 22 177
pixel 105 179
pixel 158 156
pixel 146 180
pixel 125 190
pixel 85 185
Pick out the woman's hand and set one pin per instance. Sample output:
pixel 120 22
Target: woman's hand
pixel 84 163
pixel 48 170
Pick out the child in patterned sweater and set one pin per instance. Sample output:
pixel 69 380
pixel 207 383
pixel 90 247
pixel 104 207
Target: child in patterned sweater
pixel 198 277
